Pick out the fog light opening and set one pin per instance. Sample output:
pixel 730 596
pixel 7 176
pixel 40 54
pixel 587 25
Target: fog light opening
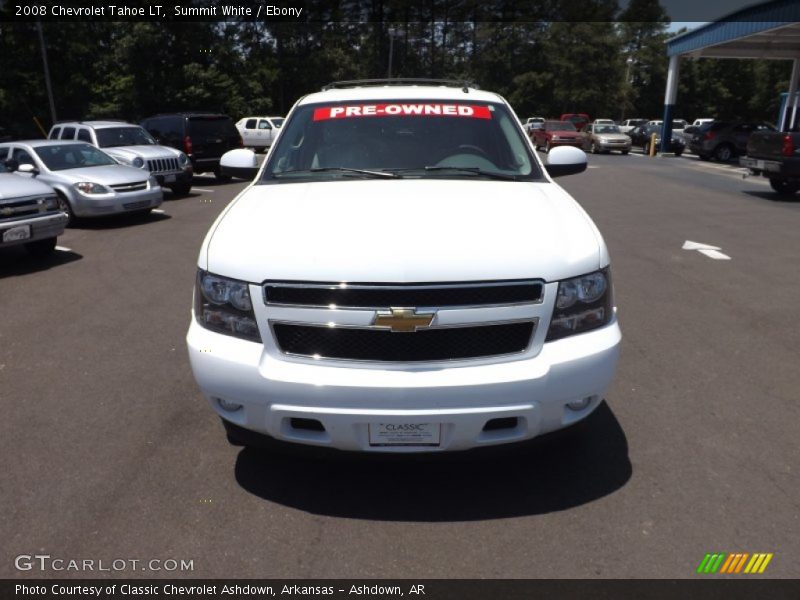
pixel 501 423
pixel 306 424
pixel 227 405
pixel 578 405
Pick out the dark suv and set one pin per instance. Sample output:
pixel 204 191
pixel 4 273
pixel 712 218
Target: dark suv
pixel 204 137
pixel 724 140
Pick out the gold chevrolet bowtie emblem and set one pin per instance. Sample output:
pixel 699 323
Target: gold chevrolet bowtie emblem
pixel 404 320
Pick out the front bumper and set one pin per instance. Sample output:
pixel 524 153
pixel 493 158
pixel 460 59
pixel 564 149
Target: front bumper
pixel 42 227
pixel 346 399
pixel 614 145
pixel 788 168
pixel 577 142
pixel 87 206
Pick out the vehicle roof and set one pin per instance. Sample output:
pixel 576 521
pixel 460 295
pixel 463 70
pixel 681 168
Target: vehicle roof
pixel 42 143
pixel 401 92
pixel 99 124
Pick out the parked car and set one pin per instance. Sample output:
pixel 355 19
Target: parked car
pixel 259 132
pixel 557 133
pixel 579 120
pixel 776 156
pixel 725 140
pixel 29 213
pixel 532 123
pixel 629 124
pixel 604 122
pixel 131 145
pixel 602 137
pixel 371 338
pixel 88 182
pixel 641 137
pixel 701 122
pixel 204 137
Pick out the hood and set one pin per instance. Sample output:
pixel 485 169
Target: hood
pixel 106 175
pixel 13 186
pixel 612 137
pixel 403 231
pixel 146 152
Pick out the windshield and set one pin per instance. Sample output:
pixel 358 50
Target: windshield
pixel 575 119
pixel 559 126
pixel 72 156
pixel 123 136
pixel 427 138
pixel 606 129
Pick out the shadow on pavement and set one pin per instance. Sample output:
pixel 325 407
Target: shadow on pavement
pixel 552 473
pixel 15 260
pixel 774 196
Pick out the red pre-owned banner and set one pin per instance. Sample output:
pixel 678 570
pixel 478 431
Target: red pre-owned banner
pixel 383 110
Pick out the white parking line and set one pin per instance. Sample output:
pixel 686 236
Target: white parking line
pixel 158 211
pixel 63 249
pixel 197 189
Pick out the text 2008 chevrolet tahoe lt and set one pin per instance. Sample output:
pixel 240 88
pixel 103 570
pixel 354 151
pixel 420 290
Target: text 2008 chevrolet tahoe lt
pixel 403 276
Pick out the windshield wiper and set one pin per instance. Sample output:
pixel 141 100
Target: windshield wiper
pixel 367 172
pixel 476 171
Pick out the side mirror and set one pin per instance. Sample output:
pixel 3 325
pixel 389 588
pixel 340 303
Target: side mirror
pixel 239 163
pixel 11 164
pixel 28 168
pixel 565 160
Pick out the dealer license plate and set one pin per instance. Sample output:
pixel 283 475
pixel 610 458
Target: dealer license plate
pixel 405 434
pixel 23 232
pixel 169 178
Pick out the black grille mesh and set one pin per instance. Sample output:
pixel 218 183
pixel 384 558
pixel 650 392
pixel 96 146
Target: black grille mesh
pixel 377 296
pixel 424 345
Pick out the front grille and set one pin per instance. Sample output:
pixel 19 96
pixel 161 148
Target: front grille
pixel 358 295
pixel 446 343
pixel 130 187
pixel 23 207
pixel 162 165
pixel 136 205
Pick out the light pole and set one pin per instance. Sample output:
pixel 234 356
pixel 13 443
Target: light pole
pixel 47 83
pixel 392 31
pixel 629 62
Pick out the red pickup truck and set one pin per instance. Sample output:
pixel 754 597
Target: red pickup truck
pixel 580 120
pixel 776 156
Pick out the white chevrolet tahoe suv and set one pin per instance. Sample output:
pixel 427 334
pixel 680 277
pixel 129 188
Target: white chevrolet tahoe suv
pixel 403 275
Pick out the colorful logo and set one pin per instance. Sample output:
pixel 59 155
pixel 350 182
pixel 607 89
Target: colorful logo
pixel 737 562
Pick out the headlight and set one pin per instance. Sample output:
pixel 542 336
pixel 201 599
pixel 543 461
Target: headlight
pixel 87 187
pixel 555 137
pixel 138 162
pixel 582 304
pixel 223 305
pixel 183 159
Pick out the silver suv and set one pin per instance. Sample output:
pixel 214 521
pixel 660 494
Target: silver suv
pixel 29 213
pixel 130 144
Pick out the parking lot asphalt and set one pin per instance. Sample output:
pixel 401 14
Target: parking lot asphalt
pixel 109 451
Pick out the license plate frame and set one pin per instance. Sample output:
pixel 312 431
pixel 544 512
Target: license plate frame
pixel 405 434
pixel 169 178
pixel 15 234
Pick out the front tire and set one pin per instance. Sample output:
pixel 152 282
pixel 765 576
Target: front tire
pixel 64 206
pixel 547 147
pixel 41 248
pixel 724 152
pixel 220 177
pixel 182 189
pixel 784 187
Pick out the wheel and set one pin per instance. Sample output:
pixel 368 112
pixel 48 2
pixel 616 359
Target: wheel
pixel 784 187
pixel 547 146
pixel 724 152
pixel 624 152
pixel 678 152
pixel 595 149
pixel 703 157
pixel 182 189
pixel 220 177
pixel 646 148
pixel 41 248
pixel 64 206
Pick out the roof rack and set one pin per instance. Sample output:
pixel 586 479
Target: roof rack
pixel 463 84
pixel 81 121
